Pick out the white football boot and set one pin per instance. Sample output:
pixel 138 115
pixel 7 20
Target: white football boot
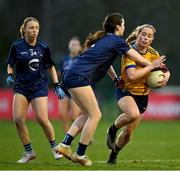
pixel 27 157
pixel 56 155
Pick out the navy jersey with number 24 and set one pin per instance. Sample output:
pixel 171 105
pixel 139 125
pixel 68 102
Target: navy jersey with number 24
pixel 31 63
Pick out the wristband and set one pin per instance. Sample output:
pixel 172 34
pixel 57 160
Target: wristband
pixel 116 79
pixel 10 74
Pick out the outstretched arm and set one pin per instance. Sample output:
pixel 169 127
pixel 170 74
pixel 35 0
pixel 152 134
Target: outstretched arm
pixel 135 56
pixel 134 74
pixel 112 73
pixel 53 74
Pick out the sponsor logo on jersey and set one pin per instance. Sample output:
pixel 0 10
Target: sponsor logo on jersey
pixel 34 64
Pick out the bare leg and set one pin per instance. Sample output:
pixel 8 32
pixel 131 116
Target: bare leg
pixel 85 98
pixel 122 140
pixel 128 120
pixel 75 110
pixel 40 108
pixel 20 107
pixel 64 105
pixel 131 113
pixel 130 109
pixel 126 133
pixel 77 125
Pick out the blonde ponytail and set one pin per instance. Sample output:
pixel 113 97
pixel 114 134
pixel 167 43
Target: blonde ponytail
pixel 133 36
pixel 22 31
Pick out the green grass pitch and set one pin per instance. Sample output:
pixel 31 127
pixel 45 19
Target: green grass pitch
pixel 154 146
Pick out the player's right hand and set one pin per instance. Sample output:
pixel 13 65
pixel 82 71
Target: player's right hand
pixel 10 80
pixel 58 91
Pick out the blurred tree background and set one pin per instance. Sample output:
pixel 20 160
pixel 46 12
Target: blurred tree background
pixel 62 19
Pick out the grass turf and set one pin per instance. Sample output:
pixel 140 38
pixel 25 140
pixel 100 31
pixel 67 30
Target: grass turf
pixel 155 146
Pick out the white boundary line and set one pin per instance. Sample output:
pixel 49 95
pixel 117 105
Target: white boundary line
pixel 141 161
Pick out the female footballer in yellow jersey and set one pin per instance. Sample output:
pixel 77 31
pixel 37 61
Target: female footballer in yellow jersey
pixel 132 96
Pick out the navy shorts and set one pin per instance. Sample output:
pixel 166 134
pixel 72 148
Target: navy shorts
pixel 141 101
pixel 31 94
pixel 73 80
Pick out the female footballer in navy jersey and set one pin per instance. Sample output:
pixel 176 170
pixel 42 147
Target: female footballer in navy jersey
pixel 31 58
pixel 69 110
pixel 102 48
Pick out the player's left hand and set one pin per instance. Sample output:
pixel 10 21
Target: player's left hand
pixel 58 91
pixel 119 82
pixel 10 80
pixel 163 82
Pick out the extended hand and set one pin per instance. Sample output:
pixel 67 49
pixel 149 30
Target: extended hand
pixel 10 80
pixel 58 91
pixel 158 63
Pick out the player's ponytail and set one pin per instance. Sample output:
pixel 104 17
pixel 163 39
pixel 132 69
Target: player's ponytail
pixel 109 26
pixel 23 26
pixel 133 36
pixel 92 38
pixel 22 31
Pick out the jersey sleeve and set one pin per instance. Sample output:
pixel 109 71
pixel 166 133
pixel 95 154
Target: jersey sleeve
pixel 121 47
pixel 155 56
pixel 12 56
pixel 47 60
pixel 153 53
pixel 128 63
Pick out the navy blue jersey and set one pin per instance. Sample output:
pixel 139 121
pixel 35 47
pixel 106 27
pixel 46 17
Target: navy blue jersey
pixel 31 63
pixel 94 63
pixel 67 60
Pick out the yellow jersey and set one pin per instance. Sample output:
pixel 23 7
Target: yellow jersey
pixel 139 86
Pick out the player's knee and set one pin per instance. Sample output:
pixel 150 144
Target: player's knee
pixel 133 116
pixel 18 120
pixel 43 122
pixel 96 117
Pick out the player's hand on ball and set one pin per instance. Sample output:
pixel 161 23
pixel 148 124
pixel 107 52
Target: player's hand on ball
pixel 162 82
pixel 158 78
pixel 58 91
pixel 10 80
pixel 158 63
pixel 166 76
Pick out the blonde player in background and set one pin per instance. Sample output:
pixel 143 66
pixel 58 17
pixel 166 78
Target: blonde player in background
pixel 31 58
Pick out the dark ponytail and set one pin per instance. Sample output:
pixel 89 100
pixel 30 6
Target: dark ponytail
pixel 109 26
pixel 92 38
